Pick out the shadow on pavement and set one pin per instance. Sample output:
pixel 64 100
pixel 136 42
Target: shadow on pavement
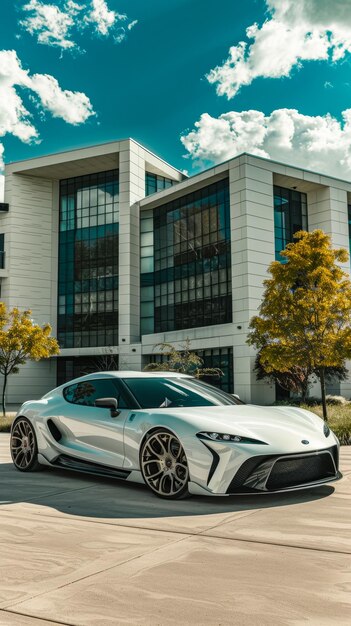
pixel 96 497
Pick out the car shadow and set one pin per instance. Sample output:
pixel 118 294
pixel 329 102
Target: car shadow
pixel 99 497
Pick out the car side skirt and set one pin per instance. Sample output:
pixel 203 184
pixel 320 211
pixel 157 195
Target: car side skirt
pixel 64 461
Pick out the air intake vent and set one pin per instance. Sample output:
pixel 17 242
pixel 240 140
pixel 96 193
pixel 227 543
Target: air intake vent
pixel 4 206
pixel 289 472
pixel 57 435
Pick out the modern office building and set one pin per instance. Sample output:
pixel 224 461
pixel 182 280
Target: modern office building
pixel 121 251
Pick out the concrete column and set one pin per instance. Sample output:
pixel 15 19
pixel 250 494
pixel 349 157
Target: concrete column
pixel 131 189
pixel 252 232
pixel 30 246
pixel 327 209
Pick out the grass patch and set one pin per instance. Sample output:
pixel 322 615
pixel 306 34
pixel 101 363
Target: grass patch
pixel 5 422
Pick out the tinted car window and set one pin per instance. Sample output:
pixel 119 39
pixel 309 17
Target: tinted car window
pixel 155 392
pixel 86 392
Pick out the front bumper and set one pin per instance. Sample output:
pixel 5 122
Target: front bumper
pixel 218 469
pixel 272 473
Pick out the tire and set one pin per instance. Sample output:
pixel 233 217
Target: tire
pixel 24 447
pixel 164 465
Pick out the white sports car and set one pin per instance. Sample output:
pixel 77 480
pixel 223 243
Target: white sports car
pixel 175 433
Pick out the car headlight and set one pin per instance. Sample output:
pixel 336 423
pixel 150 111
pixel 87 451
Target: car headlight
pixel 225 437
pixel 326 429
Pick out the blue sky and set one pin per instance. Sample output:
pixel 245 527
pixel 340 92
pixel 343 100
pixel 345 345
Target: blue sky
pixel 271 98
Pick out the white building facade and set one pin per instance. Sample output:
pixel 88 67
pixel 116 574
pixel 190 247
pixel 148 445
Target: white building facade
pixel 119 251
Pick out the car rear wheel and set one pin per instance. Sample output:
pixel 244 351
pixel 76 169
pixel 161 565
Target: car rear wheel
pixel 164 465
pixel 24 449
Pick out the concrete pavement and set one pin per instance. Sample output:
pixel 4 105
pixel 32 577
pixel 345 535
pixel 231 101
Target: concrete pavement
pixel 86 551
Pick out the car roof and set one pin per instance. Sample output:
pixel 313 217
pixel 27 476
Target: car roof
pixel 120 374
pixel 132 374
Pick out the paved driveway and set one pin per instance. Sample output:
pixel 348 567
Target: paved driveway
pixel 93 552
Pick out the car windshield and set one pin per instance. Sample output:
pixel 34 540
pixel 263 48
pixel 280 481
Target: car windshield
pixel 152 393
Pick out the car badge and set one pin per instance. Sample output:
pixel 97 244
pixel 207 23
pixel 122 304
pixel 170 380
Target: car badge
pixel 305 442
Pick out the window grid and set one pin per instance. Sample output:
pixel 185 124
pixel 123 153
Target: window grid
pixel 88 261
pixel 69 368
pixel 147 289
pixel 154 183
pixel 192 261
pixel 221 358
pixel 2 251
pixel 290 216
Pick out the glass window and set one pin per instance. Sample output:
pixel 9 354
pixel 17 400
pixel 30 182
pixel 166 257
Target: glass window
pixel 191 241
pixel 88 260
pixel 186 257
pixel 74 367
pixel 154 182
pixel 2 250
pixel 156 392
pixel 219 358
pixel 86 392
pixel 290 216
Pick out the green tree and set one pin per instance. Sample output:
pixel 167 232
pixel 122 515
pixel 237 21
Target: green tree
pixel 305 317
pixel 21 340
pixel 184 361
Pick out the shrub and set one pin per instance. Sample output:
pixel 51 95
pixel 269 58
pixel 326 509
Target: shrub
pixel 313 401
pixel 336 400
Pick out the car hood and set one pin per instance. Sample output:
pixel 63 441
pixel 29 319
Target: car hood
pixel 265 423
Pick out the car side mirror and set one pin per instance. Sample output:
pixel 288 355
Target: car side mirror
pixel 235 395
pixel 108 403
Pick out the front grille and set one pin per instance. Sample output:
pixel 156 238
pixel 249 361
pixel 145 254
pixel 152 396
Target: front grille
pixel 291 472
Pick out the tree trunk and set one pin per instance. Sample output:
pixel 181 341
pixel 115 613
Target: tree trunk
pixel 3 396
pixel 304 390
pixel 324 402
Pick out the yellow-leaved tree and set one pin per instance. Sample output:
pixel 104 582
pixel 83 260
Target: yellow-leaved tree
pixel 21 340
pixel 305 316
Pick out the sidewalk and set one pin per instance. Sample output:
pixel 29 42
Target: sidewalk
pixel 84 551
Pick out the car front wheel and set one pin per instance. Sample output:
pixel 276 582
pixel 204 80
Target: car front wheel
pixel 24 449
pixel 164 465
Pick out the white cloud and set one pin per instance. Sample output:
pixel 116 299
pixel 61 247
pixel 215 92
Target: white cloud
pixel 102 17
pixel 73 107
pixel 51 25
pixel 296 31
pixel 58 24
pixel 14 117
pixel 320 143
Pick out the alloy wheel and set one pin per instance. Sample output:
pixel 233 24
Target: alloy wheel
pixel 164 465
pixel 23 445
